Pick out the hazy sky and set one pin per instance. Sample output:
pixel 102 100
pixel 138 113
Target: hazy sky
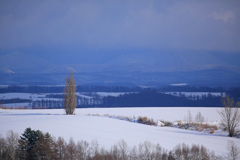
pixel 104 28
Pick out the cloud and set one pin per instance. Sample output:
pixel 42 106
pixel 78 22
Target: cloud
pixel 158 25
pixel 225 17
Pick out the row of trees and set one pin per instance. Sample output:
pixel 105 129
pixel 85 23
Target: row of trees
pixel 53 104
pixel 59 88
pixel 91 88
pixel 135 99
pixel 34 144
pixel 153 99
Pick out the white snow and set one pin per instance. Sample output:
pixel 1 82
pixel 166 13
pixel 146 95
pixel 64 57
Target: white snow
pixel 113 94
pixel 200 94
pixel 30 96
pixel 15 95
pixel 16 105
pixel 108 131
pixel 179 84
pixel 156 113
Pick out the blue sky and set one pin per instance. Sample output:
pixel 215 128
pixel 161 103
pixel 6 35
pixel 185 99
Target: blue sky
pixel 98 31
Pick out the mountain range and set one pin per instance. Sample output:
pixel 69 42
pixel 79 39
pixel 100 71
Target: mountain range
pixel 136 69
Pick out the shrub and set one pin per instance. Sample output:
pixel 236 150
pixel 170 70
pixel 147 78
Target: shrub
pixel 223 126
pixel 145 120
pixel 212 131
pixel 167 123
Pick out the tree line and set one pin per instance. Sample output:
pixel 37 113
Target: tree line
pixel 59 89
pixel 34 144
pixel 141 99
pixel 92 88
pixel 156 99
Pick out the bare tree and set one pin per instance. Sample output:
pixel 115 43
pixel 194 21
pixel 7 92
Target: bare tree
pixel 71 150
pixel 233 151
pixel 69 96
pixel 199 118
pixel 61 148
pixel 230 115
pixel 12 143
pixel 188 119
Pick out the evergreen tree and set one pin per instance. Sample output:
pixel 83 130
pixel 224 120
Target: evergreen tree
pixel 27 142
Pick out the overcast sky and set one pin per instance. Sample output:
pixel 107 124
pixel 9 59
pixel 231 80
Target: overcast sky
pixel 113 27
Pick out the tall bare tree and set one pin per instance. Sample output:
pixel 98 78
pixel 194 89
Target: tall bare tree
pixel 199 118
pixel 233 151
pixel 230 115
pixel 69 96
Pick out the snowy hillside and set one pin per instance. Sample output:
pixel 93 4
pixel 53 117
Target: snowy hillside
pixel 107 131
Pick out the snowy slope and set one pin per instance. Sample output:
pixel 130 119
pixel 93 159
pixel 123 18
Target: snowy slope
pixel 107 131
pixel 156 113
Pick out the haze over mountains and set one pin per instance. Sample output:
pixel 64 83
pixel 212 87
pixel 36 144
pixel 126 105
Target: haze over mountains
pixel 17 62
pixel 136 69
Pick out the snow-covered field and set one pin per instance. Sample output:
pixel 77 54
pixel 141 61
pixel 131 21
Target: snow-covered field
pixel 188 94
pixel 108 131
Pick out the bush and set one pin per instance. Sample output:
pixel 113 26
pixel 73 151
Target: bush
pixel 145 120
pixel 167 123
pixel 223 126
pixel 200 127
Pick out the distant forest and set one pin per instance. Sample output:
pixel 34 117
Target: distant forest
pixel 59 89
pixel 134 97
pixel 155 99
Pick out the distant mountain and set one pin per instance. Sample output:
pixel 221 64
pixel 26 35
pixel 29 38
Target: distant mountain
pixel 212 78
pixel 137 69
pixel 17 62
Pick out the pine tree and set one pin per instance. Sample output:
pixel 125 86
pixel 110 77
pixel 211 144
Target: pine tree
pixel 27 142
